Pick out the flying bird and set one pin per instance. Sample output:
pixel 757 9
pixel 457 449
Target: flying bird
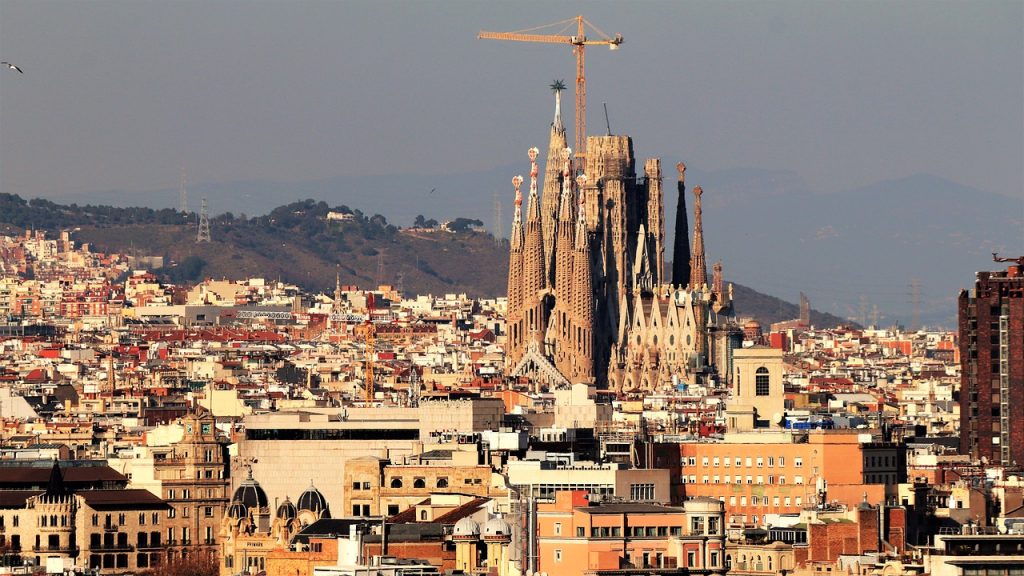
pixel 432 190
pixel 12 67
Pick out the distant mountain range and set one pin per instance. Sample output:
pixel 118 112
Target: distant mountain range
pixel 297 244
pixel 851 252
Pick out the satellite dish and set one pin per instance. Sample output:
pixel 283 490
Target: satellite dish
pixel 779 418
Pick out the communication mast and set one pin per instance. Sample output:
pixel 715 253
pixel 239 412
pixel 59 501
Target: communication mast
pixel 204 225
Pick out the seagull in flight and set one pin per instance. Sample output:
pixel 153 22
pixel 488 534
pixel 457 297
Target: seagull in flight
pixel 431 190
pixel 12 67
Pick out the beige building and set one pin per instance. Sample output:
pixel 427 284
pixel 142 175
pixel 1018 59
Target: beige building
pixel 289 450
pixel 758 398
pixel 101 527
pixel 374 487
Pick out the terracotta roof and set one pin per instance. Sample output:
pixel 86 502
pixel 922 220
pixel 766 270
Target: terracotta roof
pixel 131 499
pixel 16 498
pixel 467 509
pixel 74 476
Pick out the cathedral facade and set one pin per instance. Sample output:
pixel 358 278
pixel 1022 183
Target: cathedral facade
pixel 589 299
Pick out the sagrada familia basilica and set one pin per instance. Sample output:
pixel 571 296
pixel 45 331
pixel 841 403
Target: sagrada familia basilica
pixel 589 299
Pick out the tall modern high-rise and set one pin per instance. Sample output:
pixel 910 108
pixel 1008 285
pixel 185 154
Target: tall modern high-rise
pixel 991 319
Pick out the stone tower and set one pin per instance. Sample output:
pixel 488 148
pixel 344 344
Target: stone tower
pixel 583 298
pixel 534 278
pixel 698 267
pixel 559 333
pixel 552 193
pixel 514 314
pixel 655 224
pixel 681 249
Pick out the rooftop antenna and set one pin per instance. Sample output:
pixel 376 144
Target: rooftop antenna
pixel 204 225
pixel 606 122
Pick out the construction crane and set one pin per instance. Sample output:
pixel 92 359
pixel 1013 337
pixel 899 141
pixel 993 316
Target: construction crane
pixel 369 333
pixel 579 42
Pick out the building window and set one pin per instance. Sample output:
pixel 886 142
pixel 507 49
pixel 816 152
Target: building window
pixel 761 386
pixel 697 526
pixel 691 559
pixel 442 482
pixel 714 559
pixel 419 483
pixel 392 509
pixel 396 482
pixel 798 462
pixel 558 555
pixel 580 532
pixel 760 462
pixel 558 528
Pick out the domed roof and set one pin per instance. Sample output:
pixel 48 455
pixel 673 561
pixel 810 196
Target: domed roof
pixel 497 527
pixel 287 510
pixel 237 510
pixel 466 527
pixel 250 494
pixel 313 501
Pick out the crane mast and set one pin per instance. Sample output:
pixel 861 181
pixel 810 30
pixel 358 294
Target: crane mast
pixel 579 42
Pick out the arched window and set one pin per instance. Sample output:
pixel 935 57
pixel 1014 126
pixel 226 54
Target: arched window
pixel 396 482
pixel 769 563
pixel 761 386
pixel 423 515
pixel 419 483
pixel 442 482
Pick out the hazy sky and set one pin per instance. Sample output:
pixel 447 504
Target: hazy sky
pixel 119 95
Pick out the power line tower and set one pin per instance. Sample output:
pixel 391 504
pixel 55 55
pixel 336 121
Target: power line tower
pixel 915 302
pixel 204 225
pixel 183 193
pixel 499 232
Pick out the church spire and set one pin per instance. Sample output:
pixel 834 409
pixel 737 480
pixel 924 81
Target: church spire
pixel 552 185
pixel 514 314
pixel 534 281
pixel 556 125
pixel 698 267
pixel 583 296
pixel 564 270
pixel 681 250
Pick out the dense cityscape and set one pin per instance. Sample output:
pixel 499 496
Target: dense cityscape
pixel 617 411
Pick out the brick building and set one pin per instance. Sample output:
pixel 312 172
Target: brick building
pixel 991 319
pixel 763 473
pixel 576 536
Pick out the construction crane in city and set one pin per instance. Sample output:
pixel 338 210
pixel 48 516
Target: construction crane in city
pixel 369 334
pixel 579 41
